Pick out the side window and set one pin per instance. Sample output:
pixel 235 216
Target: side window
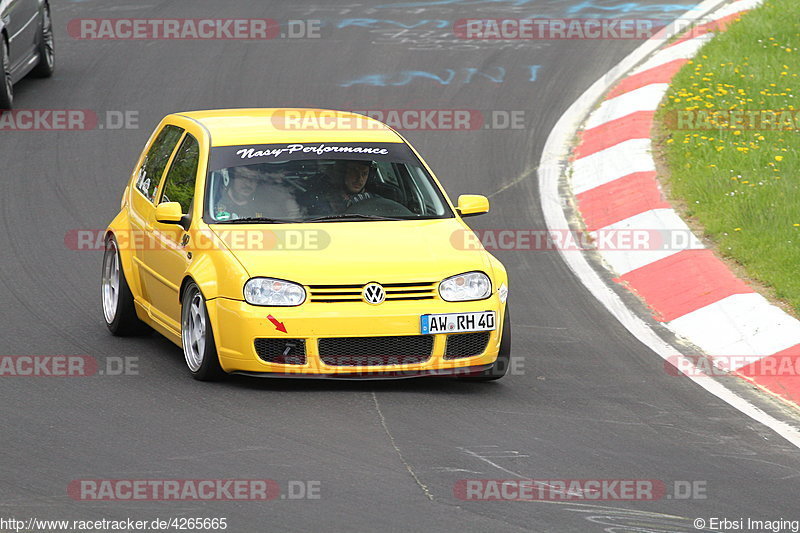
pixel 179 185
pixel 156 159
pixel 387 173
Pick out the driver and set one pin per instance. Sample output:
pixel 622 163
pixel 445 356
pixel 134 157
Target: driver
pixel 354 182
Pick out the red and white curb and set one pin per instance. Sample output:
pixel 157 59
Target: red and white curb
pixel 613 178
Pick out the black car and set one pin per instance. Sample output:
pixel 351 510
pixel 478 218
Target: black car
pixel 26 44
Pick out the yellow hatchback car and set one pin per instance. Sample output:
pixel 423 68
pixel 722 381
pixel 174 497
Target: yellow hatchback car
pixel 270 246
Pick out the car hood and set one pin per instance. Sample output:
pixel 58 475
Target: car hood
pixel 356 252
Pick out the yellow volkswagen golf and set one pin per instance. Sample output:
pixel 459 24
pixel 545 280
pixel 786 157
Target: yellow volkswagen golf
pixel 302 243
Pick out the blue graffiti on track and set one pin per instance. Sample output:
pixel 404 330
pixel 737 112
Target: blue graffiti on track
pixel 627 7
pixel 382 23
pixel 586 5
pixel 433 3
pixel 445 77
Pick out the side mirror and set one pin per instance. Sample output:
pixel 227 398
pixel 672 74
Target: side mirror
pixel 470 205
pixel 169 213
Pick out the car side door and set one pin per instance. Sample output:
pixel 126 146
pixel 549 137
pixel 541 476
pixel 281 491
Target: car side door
pixel 20 18
pixel 147 178
pixel 169 260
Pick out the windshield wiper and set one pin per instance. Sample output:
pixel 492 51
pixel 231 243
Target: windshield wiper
pixel 265 220
pixel 350 216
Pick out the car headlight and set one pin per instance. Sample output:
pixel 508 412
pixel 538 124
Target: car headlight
pixel 466 287
pixel 268 291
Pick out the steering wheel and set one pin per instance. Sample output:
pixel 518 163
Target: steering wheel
pixel 378 206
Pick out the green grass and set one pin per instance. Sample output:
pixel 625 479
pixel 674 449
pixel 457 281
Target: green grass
pixel 742 184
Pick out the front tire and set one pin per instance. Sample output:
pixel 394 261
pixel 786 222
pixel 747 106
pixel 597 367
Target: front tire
pixel 119 310
pixel 197 337
pixel 500 366
pixel 6 87
pixel 46 47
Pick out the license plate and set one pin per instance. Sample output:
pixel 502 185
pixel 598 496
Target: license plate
pixel 457 322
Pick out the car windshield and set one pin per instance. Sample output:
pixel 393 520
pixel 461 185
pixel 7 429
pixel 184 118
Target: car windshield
pixel 316 190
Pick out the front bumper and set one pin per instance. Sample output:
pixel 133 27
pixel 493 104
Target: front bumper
pixel 237 325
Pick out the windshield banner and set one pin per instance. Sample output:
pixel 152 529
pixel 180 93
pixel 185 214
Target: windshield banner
pixel 234 156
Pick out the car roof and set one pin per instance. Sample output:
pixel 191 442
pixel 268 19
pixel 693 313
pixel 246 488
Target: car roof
pixel 234 127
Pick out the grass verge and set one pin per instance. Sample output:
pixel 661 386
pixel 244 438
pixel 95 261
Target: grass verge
pixel 728 132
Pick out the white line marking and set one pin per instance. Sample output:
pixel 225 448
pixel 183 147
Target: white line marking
pixel 612 163
pixel 741 324
pixel 666 235
pixel 685 50
pixel 644 98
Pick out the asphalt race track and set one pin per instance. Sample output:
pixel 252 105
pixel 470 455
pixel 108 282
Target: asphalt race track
pixel 587 401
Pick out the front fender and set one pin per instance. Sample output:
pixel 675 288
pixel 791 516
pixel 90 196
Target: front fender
pixel 499 272
pixel 215 269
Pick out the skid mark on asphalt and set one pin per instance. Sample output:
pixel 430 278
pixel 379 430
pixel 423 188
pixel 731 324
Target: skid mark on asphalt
pixel 742 457
pixel 488 454
pixel 397 450
pixel 527 173
pixel 630 521
pixel 452 469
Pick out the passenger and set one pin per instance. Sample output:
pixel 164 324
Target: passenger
pixel 252 193
pixel 238 196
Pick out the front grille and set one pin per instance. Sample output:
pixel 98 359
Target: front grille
pixel 376 351
pixel 352 293
pixel 462 345
pixel 282 351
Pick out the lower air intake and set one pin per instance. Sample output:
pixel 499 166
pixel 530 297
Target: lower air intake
pixel 282 351
pixel 463 345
